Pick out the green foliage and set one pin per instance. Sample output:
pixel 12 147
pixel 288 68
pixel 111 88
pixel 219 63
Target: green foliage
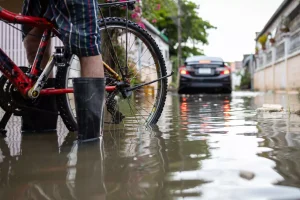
pixel 163 14
pixel 190 51
pixel 194 28
pixel 121 55
pixel 174 61
pixel 245 81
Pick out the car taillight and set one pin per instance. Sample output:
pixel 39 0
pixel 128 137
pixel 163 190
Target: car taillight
pixel 183 70
pixel 225 71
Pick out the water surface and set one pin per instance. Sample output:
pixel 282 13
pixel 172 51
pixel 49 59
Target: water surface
pixel 204 147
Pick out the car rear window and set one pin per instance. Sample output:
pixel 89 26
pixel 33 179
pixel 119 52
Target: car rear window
pixel 207 65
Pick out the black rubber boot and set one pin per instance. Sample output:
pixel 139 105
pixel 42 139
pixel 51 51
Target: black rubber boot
pixel 89 96
pixel 36 121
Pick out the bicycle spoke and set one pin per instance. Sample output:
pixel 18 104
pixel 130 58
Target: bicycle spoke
pixel 131 109
pixel 114 51
pixel 144 75
pixel 111 56
pixel 132 45
pixel 141 56
pixel 140 114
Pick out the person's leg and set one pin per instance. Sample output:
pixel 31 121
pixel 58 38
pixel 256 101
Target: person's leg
pixel 31 44
pixel 89 90
pixel 92 66
pixel 32 38
pixel 89 98
pixel 77 22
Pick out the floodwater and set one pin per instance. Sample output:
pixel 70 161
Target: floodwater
pixel 204 147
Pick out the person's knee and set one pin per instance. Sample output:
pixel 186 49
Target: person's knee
pixel 31 44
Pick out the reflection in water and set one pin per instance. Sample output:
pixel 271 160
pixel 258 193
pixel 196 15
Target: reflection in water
pixel 127 166
pixel 199 149
pixel 282 135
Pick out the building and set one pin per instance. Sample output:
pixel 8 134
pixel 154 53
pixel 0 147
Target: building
pixel 249 63
pixel 236 66
pixel 277 64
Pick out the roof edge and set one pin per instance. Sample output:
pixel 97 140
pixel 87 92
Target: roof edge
pixel 155 30
pixel 274 17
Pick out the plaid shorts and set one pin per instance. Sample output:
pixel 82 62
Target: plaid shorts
pixel 75 19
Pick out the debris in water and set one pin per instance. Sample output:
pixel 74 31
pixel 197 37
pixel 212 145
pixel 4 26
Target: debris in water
pixel 247 175
pixel 270 108
pixel 297 112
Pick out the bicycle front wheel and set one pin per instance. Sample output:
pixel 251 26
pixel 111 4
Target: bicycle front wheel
pixel 132 53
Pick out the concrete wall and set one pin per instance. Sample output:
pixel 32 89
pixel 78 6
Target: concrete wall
pixel 268 78
pixel 259 80
pixel 274 77
pixel 279 76
pixel 294 72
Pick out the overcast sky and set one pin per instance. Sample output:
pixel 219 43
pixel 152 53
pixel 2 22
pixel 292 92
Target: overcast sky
pixel 236 22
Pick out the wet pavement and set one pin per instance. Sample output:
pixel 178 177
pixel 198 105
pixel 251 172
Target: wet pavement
pixel 204 147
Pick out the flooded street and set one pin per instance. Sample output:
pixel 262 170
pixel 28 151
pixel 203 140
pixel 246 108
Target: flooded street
pixel 204 147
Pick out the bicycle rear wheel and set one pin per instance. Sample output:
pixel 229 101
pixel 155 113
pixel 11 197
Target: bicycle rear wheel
pixel 139 59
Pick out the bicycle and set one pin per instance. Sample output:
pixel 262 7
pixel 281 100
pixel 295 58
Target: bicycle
pixel 21 87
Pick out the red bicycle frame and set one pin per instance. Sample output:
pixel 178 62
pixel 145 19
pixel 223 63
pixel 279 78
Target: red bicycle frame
pixel 12 72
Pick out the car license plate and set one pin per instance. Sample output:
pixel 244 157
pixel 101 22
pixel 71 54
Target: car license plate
pixel 204 71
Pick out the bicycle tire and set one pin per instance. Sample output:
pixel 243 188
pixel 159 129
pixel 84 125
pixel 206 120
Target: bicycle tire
pixel 62 72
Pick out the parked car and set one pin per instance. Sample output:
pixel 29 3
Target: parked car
pixel 203 73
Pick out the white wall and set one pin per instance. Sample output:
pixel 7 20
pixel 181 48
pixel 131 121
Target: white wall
pixel 235 80
pixel 164 48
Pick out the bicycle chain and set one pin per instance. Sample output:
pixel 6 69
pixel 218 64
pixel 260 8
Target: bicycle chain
pixel 7 102
pixel 12 101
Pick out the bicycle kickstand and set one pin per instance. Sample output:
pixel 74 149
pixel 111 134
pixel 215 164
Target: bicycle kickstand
pixel 4 122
